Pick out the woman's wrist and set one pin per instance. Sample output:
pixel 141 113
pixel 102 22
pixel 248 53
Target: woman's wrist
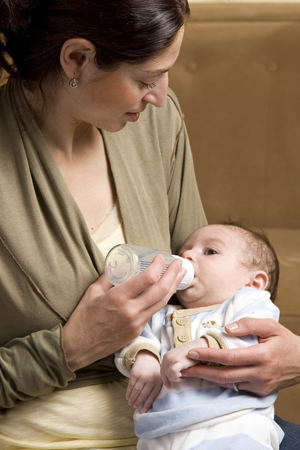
pixel 77 352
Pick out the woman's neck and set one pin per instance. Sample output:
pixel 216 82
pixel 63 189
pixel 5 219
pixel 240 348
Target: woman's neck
pixel 78 150
pixel 66 137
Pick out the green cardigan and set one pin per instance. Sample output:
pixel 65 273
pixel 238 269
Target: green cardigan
pixel 47 256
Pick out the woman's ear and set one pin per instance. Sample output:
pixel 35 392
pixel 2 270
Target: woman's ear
pixel 259 280
pixel 75 55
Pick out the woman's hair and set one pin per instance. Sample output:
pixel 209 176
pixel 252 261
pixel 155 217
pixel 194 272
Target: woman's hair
pixel 123 31
pixel 260 254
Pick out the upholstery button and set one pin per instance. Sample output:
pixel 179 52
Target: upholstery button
pixel 183 338
pixel 182 321
pixel 192 66
pixel 273 66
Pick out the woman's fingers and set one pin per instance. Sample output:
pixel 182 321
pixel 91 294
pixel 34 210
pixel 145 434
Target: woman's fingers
pixel 271 365
pixel 149 291
pixel 250 378
pixel 152 283
pixel 263 328
pixel 232 357
pixel 159 294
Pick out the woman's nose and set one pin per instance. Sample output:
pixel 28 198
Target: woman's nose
pixel 158 94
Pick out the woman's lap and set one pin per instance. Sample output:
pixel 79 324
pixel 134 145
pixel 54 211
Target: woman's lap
pixel 291 440
pixel 88 417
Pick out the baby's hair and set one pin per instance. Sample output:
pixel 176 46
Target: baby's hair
pixel 260 254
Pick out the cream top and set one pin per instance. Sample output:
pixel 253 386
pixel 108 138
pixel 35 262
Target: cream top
pixel 110 232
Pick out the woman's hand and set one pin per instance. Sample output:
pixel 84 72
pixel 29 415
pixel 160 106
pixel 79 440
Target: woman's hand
pixel 107 318
pixel 145 381
pixel 264 368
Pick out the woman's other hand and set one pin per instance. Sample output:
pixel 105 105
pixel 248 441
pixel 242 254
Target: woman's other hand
pixel 271 365
pixel 107 318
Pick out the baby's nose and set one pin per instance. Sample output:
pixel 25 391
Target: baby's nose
pixel 188 254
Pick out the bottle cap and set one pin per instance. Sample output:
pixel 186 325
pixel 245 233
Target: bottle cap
pixel 187 280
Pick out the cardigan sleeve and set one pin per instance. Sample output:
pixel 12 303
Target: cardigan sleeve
pixel 186 212
pixel 32 366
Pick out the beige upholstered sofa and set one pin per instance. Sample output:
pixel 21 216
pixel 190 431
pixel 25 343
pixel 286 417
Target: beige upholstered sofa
pixel 238 82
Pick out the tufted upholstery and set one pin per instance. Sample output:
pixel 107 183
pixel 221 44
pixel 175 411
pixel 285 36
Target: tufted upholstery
pixel 238 82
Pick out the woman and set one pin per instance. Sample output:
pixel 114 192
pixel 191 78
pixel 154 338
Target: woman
pixel 94 152
pixel 69 192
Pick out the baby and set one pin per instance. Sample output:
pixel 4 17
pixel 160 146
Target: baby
pixel 236 275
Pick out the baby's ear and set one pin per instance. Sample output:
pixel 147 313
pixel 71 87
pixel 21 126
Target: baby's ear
pixel 259 280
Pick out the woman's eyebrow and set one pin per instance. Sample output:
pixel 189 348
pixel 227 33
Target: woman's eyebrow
pixel 157 71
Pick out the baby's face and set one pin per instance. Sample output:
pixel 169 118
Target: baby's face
pixel 216 252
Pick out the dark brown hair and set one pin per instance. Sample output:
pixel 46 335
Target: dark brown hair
pixel 123 31
pixel 260 254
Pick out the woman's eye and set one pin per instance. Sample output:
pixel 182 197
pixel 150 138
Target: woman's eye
pixel 210 251
pixel 150 85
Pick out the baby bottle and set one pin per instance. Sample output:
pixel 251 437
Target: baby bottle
pixel 124 262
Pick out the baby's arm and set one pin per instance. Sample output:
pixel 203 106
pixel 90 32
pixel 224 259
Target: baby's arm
pixel 145 380
pixel 176 360
pixel 140 362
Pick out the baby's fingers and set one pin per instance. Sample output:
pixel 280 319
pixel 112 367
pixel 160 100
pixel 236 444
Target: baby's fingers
pixel 137 393
pixel 133 390
pixel 164 377
pixel 152 396
pixel 171 373
pixel 175 372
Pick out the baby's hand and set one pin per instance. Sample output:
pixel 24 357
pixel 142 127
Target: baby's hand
pixel 145 381
pixel 175 361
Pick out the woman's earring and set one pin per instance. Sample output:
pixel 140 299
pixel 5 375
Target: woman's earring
pixel 74 82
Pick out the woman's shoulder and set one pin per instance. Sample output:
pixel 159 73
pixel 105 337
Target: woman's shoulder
pixel 165 123
pixel 157 128
pixel 173 101
pixel 163 118
pixel 170 112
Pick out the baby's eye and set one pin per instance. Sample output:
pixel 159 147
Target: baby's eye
pixel 210 251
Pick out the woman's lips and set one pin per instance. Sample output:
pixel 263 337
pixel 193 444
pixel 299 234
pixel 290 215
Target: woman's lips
pixel 133 117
